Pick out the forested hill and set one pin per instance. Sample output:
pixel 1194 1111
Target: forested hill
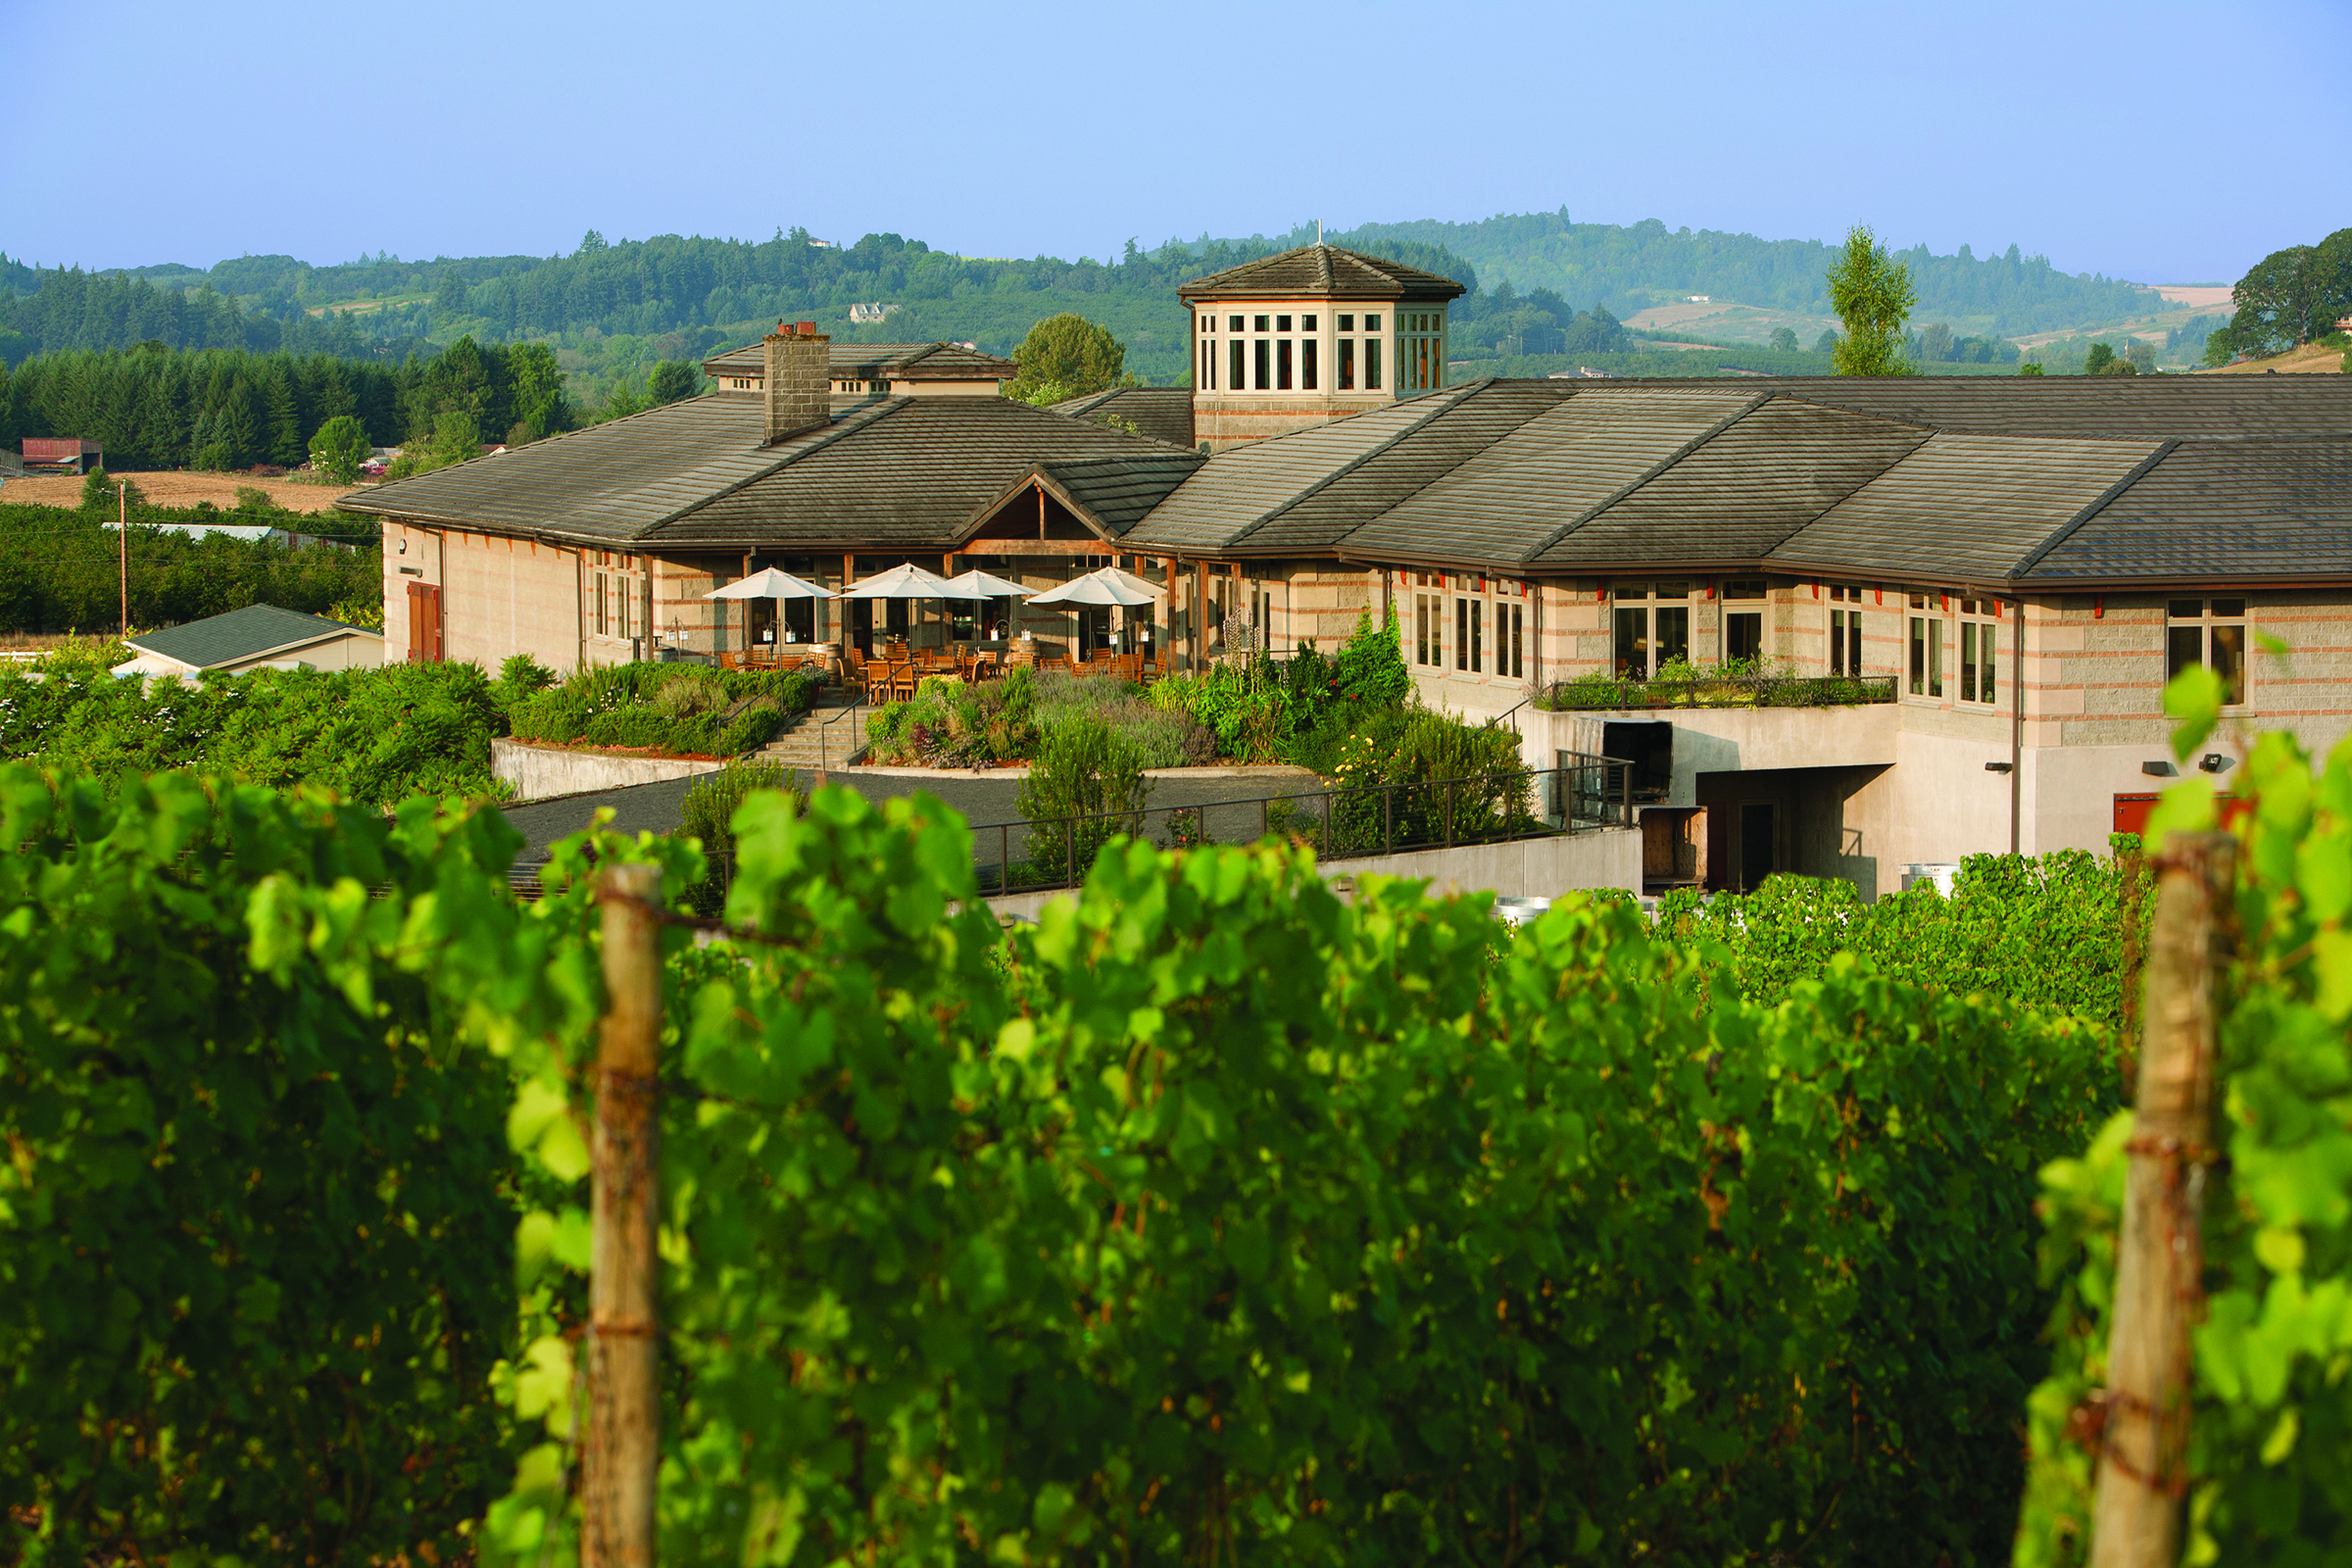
pixel 1648 264
pixel 611 311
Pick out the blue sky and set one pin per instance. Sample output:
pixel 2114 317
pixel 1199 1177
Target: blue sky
pixel 2154 141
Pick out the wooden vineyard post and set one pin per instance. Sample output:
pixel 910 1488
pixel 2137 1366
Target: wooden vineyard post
pixel 2143 1477
pixel 624 1415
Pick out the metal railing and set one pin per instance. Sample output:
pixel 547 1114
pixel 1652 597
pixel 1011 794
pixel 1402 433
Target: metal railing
pixel 1718 691
pixel 824 731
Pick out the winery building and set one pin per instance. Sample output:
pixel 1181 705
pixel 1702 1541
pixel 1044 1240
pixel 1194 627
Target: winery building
pixel 1989 580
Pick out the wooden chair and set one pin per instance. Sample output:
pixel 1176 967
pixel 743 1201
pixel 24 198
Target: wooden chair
pixel 902 682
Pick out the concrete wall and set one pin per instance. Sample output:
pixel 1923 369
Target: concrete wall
pixel 499 596
pixel 1529 869
pixel 540 772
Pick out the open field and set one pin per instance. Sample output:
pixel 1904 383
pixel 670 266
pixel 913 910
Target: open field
pixel 178 487
pixel 2311 359
pixel 2206 297
pixel 1730 322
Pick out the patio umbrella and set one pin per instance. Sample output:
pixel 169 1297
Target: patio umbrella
pixel 1108 586
pixel 910 582
pixel 769 583
pixel 991 586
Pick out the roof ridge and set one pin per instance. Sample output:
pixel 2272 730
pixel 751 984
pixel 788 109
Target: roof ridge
pixel 1466 392
pixel 1536 551
pixel 2106 498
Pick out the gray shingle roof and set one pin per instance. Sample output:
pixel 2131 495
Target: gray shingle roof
pixel 1546 475
pixel 1966 507
pixel 611 481
pixel 860 362
pixel 909 472
pixel 1241 486
pixel 1116 492
pixel 1162 412
pixel 2221 511
pixel 1742 491
pixel 239 635
pixel 1322 271
pixel 2155 406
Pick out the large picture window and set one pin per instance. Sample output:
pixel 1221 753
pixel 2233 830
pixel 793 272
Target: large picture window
pixel 2211 632
pixel 1650 627
pixel 1235 358
pixel 1979 649
pixel 1926 646
pixel 1346 348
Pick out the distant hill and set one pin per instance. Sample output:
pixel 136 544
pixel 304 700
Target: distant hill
pixel 611 311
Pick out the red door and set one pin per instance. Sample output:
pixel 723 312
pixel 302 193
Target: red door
pixel 424 623
pixel 2131 811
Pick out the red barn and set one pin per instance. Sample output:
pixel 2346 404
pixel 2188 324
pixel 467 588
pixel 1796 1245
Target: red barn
pixel 64 452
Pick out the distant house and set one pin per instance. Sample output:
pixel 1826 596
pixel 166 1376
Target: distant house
pixel 69 452
pixel 1698 299
pixel 257 637
pixel 867 315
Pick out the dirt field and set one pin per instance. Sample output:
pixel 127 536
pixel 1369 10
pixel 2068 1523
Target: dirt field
pixel 177 487
pixel 2204 297
pixel 2309 360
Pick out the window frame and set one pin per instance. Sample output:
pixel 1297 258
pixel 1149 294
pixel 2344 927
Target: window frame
pixel 2207 626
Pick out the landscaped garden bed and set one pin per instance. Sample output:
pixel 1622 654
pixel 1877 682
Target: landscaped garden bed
pixel 684 710
pixel 1742 683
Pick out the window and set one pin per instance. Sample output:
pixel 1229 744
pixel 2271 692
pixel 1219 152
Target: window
pixel 1233 323
pixel 1282 323
pixel 2210 632
pixel 1979 647
pixel 1261 323
pixel 1648 638
pixel 1306 324
pixel 1208 366
pixel 1347 323
pixel 1282 364
pixel 1743 636
pixel 1926 651
pixel 1263 378
pixel 1234 381
pixel 1306 364
pixel 1428 630
pixel 602 591
pixel 1371 323
pixel 1844 592
pixel 1845 643
pixel 1463 610
pixel 1346 362
pixel 1508 625
pixel 1372 360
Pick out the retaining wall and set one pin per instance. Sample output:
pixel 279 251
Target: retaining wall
pixel 1526 868
pixel 539 773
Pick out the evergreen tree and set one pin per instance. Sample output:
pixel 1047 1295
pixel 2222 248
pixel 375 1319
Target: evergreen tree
pixel 673 380
pixel 285 446
pixel 160 439
pixel 239 428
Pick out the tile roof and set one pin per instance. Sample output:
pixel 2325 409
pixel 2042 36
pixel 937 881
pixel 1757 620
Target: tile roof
pixel 1545 477
pixel 1241 486
pixel 903 471
pixel 2220 512
pixel 907 472
pixel 610 481
pixel 858 362
pixel 1742 491
pixel 1162 412
pixel 2136 406
pixel 1322 271
pixel 1970 507
pixel 237 636
pixel 1118 491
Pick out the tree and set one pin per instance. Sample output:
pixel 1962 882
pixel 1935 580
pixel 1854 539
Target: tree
pixel 1827 343
pixel 1872 294
pixel 1067 356
pixel 449 297
pixel 673 380
pixel 98 492
pixel 1784 340
pixel 339 448
pixel 2029 368
pixel 2290 297
pixel 285 420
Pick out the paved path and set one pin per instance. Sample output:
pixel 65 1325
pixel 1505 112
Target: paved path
pixel 984 801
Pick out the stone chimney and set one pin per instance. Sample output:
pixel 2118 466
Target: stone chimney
pixel 798 380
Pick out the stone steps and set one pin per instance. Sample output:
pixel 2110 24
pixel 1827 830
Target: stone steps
pixel 799 746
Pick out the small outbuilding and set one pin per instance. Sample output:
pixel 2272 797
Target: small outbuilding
pixel 257 637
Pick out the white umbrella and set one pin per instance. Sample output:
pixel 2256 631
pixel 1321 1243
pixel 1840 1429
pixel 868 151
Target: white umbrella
pixel 910 582
pixel 1108 586
pixel 769 583
pixel 990 586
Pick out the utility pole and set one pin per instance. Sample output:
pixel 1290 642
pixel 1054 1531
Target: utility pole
pixel 2160 1258
pixel 123 512
pixel 624 1413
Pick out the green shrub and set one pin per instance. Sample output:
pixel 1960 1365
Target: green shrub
pixel 1086 769
pixel 373 735
pixel 680 710
pixel 708 816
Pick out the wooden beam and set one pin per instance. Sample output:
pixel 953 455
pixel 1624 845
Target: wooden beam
pixel 1039 547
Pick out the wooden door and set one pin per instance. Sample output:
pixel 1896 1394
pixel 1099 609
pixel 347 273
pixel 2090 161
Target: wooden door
pixel 424 623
